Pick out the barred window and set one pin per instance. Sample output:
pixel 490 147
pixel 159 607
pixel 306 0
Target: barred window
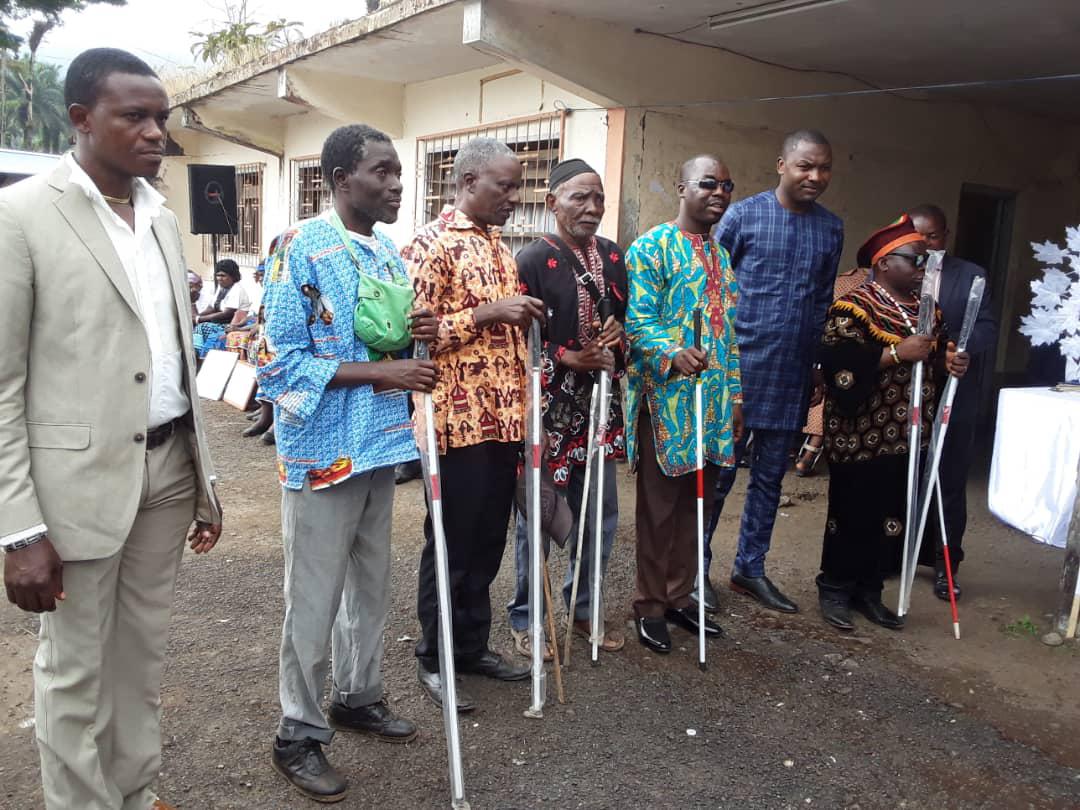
pixel 310 195
pixel 537 141
pixel 245 246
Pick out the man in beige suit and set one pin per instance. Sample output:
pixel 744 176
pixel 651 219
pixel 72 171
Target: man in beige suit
pixel 103 462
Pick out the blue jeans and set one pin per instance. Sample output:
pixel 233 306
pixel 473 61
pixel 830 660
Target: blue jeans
pixel 768 463
pixel 518 608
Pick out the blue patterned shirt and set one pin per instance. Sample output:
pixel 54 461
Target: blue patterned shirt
pixel 785 264
pixel 326 436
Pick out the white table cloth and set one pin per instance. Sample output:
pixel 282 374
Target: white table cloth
pixel 1036 452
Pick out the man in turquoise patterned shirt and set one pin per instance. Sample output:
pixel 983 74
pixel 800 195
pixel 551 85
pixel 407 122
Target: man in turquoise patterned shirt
pixel 674 269
pixel 342 423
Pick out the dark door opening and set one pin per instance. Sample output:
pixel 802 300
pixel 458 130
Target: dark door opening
pixel 984 228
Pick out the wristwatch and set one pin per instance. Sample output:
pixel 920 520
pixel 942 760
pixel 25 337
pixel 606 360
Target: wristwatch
pixel 26 542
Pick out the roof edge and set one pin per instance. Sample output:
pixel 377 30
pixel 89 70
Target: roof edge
pixel 343 34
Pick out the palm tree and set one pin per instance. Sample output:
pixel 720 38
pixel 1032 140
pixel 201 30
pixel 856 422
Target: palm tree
pixel 40 121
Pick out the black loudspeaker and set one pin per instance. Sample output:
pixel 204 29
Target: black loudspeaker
pixel 213 198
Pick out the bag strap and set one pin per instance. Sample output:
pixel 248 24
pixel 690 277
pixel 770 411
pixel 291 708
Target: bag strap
pixel 583 275
pixel 335 221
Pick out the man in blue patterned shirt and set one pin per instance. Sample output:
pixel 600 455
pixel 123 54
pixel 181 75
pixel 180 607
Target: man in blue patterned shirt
pixel 342 423
pixel 785 248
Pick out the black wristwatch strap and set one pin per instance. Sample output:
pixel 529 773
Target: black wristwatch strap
pixel 26 542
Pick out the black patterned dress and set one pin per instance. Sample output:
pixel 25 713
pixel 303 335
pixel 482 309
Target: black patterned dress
pixel 866 438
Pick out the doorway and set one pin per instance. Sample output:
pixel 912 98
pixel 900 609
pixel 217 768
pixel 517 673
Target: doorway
pixel 984 226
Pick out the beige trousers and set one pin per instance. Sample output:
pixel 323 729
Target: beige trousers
pixel 97 672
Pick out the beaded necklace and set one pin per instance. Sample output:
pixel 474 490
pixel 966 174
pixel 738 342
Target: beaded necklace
pixel 896 304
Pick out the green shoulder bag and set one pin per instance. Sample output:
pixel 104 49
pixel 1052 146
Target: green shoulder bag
pixel 381 317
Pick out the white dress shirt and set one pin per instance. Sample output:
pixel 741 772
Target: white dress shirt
pixel 144 264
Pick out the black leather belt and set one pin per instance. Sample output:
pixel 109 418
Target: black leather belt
pixel 155 437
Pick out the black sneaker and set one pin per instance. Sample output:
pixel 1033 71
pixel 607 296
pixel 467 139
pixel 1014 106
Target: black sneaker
pixel 304 765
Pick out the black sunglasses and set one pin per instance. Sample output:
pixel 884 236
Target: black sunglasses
pixel 712 184
pixel 918 259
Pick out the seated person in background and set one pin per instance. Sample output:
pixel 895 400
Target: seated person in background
pixel 230 306
pixel 195 287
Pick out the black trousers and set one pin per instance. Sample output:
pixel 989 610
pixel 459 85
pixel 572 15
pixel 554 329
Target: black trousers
pixel 955 462
pixel 477 495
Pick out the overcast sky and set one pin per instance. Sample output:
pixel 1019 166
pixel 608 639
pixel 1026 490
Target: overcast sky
pixel 157 30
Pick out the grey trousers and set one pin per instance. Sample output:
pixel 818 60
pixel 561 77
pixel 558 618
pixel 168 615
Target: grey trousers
pixel 337 574
pixel 97 672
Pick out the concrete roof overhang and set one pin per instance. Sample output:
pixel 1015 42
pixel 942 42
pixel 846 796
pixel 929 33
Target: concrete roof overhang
pixel 342 72
pixel 884 42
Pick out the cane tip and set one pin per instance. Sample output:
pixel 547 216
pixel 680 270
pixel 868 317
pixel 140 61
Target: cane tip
pixel 702 666
pixel 534 714
pixel 956 630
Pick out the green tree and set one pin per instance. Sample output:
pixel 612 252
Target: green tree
pixel 46 9
pixel 38 123
pixel 242 38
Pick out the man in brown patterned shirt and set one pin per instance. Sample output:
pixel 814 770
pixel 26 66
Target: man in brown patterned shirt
pixel 462 271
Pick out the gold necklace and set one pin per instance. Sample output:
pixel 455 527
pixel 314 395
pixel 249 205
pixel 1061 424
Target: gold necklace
pixel 117 200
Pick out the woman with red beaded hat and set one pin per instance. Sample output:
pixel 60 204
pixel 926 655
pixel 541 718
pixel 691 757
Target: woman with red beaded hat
pixel 868 351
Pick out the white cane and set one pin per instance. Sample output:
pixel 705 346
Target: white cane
pixel 536 551
pixel 926 319
pixel 429 460
pixel 596 628
pixel 582 512
pixel 699 441
pixel 941 429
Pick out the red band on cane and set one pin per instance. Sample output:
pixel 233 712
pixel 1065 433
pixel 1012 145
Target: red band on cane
pixel 536 456
pixel 435 494
pixel 915 416
pixel 945 412
pixel 700 485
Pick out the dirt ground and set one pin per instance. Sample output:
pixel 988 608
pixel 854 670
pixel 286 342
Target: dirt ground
pixel 789 714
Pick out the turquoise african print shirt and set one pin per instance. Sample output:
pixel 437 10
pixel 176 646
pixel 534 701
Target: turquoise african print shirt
pixel 670 273
pixel 326 435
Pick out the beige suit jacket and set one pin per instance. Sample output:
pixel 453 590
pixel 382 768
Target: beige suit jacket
pixel 74 372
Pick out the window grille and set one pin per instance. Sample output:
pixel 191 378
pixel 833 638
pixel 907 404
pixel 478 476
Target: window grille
pixel 310 196
pixel 537 141
pixel 246 245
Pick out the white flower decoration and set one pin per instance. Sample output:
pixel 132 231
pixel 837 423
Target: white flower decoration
pixel 1055 303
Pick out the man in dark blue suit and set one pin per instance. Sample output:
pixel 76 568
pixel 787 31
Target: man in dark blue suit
pixel 952 296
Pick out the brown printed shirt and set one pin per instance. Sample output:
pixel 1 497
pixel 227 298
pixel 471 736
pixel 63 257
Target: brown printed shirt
pixel 457 265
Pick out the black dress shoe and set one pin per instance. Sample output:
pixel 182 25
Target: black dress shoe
pixel 255 430
pixel 304 765
pixel 375 719
pixel 837 613
pixel 492 665
pixel 874 610
pixel 432 683
pixel 408 471
pixel 653 633
pixel 941 586
pixel 687 619
pixel 764 591
pixel 268 437
pixel 712 601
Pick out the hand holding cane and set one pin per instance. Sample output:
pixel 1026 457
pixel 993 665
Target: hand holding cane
pixel 429 460
pixel 605 309
pixel 536 552
pixel 699 440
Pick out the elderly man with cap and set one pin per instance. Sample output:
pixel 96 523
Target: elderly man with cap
pixel 571 270
pixel 462 271
pixel 868 350
pixel 674 269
